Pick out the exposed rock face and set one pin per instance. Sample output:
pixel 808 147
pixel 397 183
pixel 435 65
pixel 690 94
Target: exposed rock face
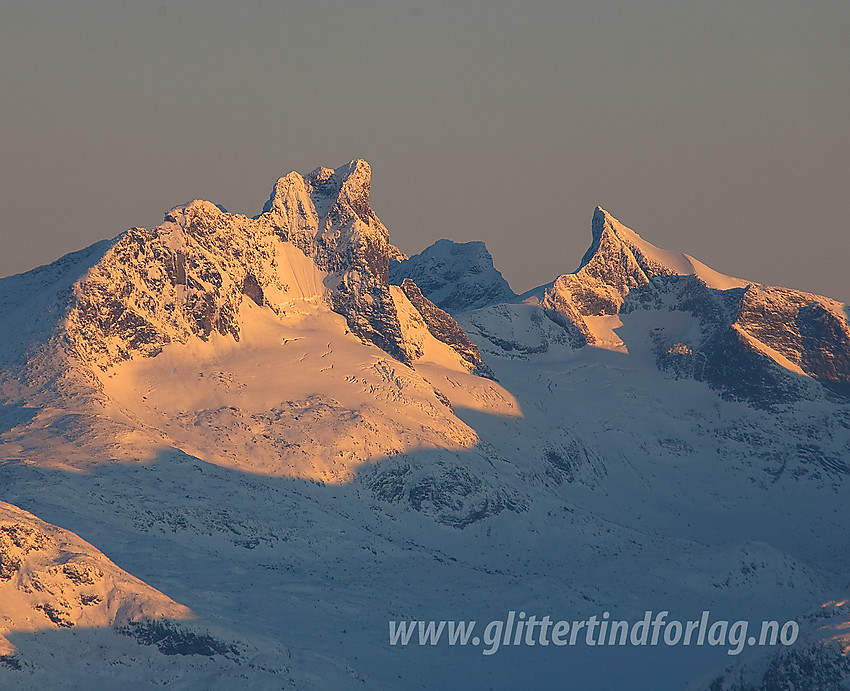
pixel 187 277
pixel 810 331
pixel 58 580
pixel 457 277
pixel 444 328
pixel 757 343
pixel 184 278
pixel 327 215
pixel 617 262
pixel 719 353
pixel 453 494
pixel 518 331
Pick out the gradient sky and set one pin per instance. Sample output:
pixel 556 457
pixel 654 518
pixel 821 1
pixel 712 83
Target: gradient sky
pixel 721 129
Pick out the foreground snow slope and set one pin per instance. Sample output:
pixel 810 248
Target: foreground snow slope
pixel 60 599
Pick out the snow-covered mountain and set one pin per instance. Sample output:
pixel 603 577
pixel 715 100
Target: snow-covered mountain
pixel 455 276
pixel 277 423
pixel 742 338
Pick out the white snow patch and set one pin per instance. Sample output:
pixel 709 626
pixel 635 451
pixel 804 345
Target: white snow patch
pixel 296 396
pixel 603 330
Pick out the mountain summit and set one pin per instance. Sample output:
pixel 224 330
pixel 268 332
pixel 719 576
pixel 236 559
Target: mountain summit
pixel 620 248
pixel 457 277
pixel 758 343
pixel 617 262
pixel 316 243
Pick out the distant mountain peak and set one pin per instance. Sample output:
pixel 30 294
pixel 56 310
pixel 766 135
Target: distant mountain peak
pixel 319 176
pixel 351 183
pixel 317 245
pixel 749 333
pixel 652 260
pixel 456 276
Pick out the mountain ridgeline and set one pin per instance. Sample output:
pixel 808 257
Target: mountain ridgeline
pixel 187 278
pixel 757 343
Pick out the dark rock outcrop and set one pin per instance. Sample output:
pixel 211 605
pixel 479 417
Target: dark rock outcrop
pixel 444 328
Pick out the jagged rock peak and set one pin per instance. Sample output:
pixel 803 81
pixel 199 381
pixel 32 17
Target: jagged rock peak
pixel 320 175
pixel 356 175
pixel 601 220
pixel 749 333
pixel 613 239
pixel 212 258
pixel 348 185
pixel 456 276
pixel 617 262
pixel 318 243
pixel 326 214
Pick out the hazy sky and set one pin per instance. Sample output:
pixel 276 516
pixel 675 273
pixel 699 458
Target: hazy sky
pixel 721 129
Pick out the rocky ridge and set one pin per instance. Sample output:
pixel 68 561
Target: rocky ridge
pixel 753 342
pixel 316 243
pixel 817 661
